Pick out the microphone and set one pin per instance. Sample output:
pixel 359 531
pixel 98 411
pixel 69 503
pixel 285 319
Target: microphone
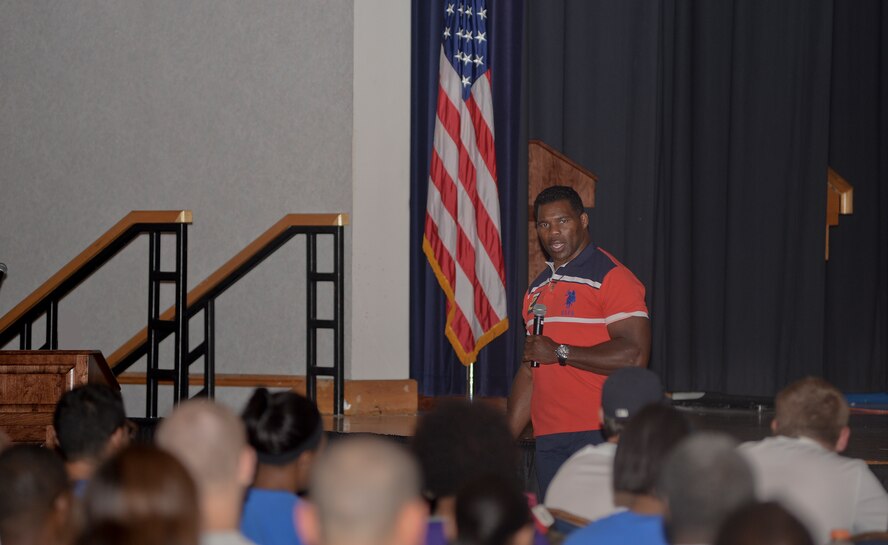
pixel 539 313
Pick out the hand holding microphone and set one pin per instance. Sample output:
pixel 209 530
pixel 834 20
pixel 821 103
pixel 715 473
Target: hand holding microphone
pixel 539 314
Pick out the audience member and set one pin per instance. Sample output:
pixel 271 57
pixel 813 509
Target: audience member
pixel 491 511
pixel 582 486
pixel 35 500
pixel 801 468
pixel 763 524
pixel 364 491
pixel 211 443
pixel 90 426
pixel 286 431
pixel 141 496
pixel 703 481
pixel 457 443
pixel 646 441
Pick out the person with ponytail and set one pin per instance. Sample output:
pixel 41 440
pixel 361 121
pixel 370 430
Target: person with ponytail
pixel 286 431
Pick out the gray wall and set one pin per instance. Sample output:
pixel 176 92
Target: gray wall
pixel 240 111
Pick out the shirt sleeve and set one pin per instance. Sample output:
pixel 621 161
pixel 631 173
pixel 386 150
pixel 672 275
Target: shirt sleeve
pixel 871 511
pixel 623 296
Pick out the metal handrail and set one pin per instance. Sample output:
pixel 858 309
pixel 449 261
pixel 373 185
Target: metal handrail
pixel 203 296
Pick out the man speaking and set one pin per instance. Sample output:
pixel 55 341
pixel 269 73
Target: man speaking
pixel 595 322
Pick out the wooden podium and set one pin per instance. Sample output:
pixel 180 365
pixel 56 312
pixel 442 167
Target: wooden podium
pixel 548 167
pixel 32 381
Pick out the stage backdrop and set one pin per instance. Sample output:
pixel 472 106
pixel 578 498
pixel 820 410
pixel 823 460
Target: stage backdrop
pixel 710 126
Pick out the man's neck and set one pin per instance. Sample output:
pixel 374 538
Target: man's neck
pixel 80 470
pixel 220 512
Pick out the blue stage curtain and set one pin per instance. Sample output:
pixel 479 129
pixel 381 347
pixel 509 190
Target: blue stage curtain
pixel 433 362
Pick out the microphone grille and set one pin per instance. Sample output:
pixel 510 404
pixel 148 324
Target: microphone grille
pixel 539 310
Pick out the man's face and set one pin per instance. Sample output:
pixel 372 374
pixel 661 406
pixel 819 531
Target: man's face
pixel 562 231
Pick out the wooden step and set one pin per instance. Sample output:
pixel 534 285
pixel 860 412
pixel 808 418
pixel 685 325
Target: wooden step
pixel 362 397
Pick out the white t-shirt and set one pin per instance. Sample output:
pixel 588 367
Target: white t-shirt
pixel 583 484
pixel 825 490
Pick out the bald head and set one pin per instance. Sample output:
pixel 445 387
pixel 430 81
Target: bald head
pixel 703 480
pixel 208 439
pixel 362 490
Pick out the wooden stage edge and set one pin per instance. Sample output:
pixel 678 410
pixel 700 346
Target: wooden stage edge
pixel 392 408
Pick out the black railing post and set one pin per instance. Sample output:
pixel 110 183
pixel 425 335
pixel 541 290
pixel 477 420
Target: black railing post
pixel 339 321
pixel 311 304
pixel 153 319
pixel 25 338
pixel 181 326
pixel 210 348
pixel 52 325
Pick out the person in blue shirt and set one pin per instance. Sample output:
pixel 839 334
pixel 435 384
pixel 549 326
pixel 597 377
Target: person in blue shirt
pixel 286 431
pixel 644 445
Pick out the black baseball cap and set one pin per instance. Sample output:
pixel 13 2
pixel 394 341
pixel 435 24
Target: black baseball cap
pixel 629 389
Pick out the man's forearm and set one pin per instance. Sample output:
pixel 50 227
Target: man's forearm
pixel 519 400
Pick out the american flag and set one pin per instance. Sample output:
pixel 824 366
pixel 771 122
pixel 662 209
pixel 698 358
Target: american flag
pixel 462 229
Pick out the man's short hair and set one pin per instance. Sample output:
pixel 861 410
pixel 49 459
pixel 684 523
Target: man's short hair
pixel 359 488
pixel 85 419
pixel 557 193
pixel 32 479
pixel 811 407
pixel 644 444
pixel 208 439
pixel 703 480
pixel 458 442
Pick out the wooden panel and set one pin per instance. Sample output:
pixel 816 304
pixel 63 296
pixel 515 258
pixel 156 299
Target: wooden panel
pixel 218 276
pixel 362 397
pixel 548 167
pixel 839 200
pixel 32 381
pixel 112 234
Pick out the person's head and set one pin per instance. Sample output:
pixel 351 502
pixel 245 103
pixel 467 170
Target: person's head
pixel 90 423
pixel 142 492
pixel 491 511
pixel 561 223
pixel 35 498
pixel 458 442
pixel 625 392
pixel 703 480
pixel 211 442
pixel 364 491
pixel 286 431
pixel 813 408
pixel 763 524
pixel 643 447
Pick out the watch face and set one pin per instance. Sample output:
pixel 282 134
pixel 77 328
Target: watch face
pixel 562 351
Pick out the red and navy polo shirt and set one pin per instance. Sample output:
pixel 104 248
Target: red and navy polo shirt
pixel 582 298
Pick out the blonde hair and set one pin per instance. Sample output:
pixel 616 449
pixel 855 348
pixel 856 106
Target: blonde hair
pixel 811 407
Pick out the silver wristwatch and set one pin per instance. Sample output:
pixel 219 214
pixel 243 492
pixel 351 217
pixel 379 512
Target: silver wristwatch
pixel 562 352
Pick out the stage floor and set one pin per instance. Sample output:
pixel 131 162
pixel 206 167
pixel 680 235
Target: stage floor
pixel 869 432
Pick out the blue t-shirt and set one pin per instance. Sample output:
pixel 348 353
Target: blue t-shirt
pixel 269 517
pixel 625 528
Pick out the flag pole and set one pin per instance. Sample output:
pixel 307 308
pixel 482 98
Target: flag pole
pixel 470 382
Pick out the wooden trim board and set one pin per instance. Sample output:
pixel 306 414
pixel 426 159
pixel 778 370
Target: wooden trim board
pixel 362 397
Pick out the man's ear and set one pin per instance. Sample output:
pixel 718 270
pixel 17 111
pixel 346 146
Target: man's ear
pixel 601 415
pixel 246 466
pixel 842 442
pixel 584 220
pixel 307 524
pixel 774 427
